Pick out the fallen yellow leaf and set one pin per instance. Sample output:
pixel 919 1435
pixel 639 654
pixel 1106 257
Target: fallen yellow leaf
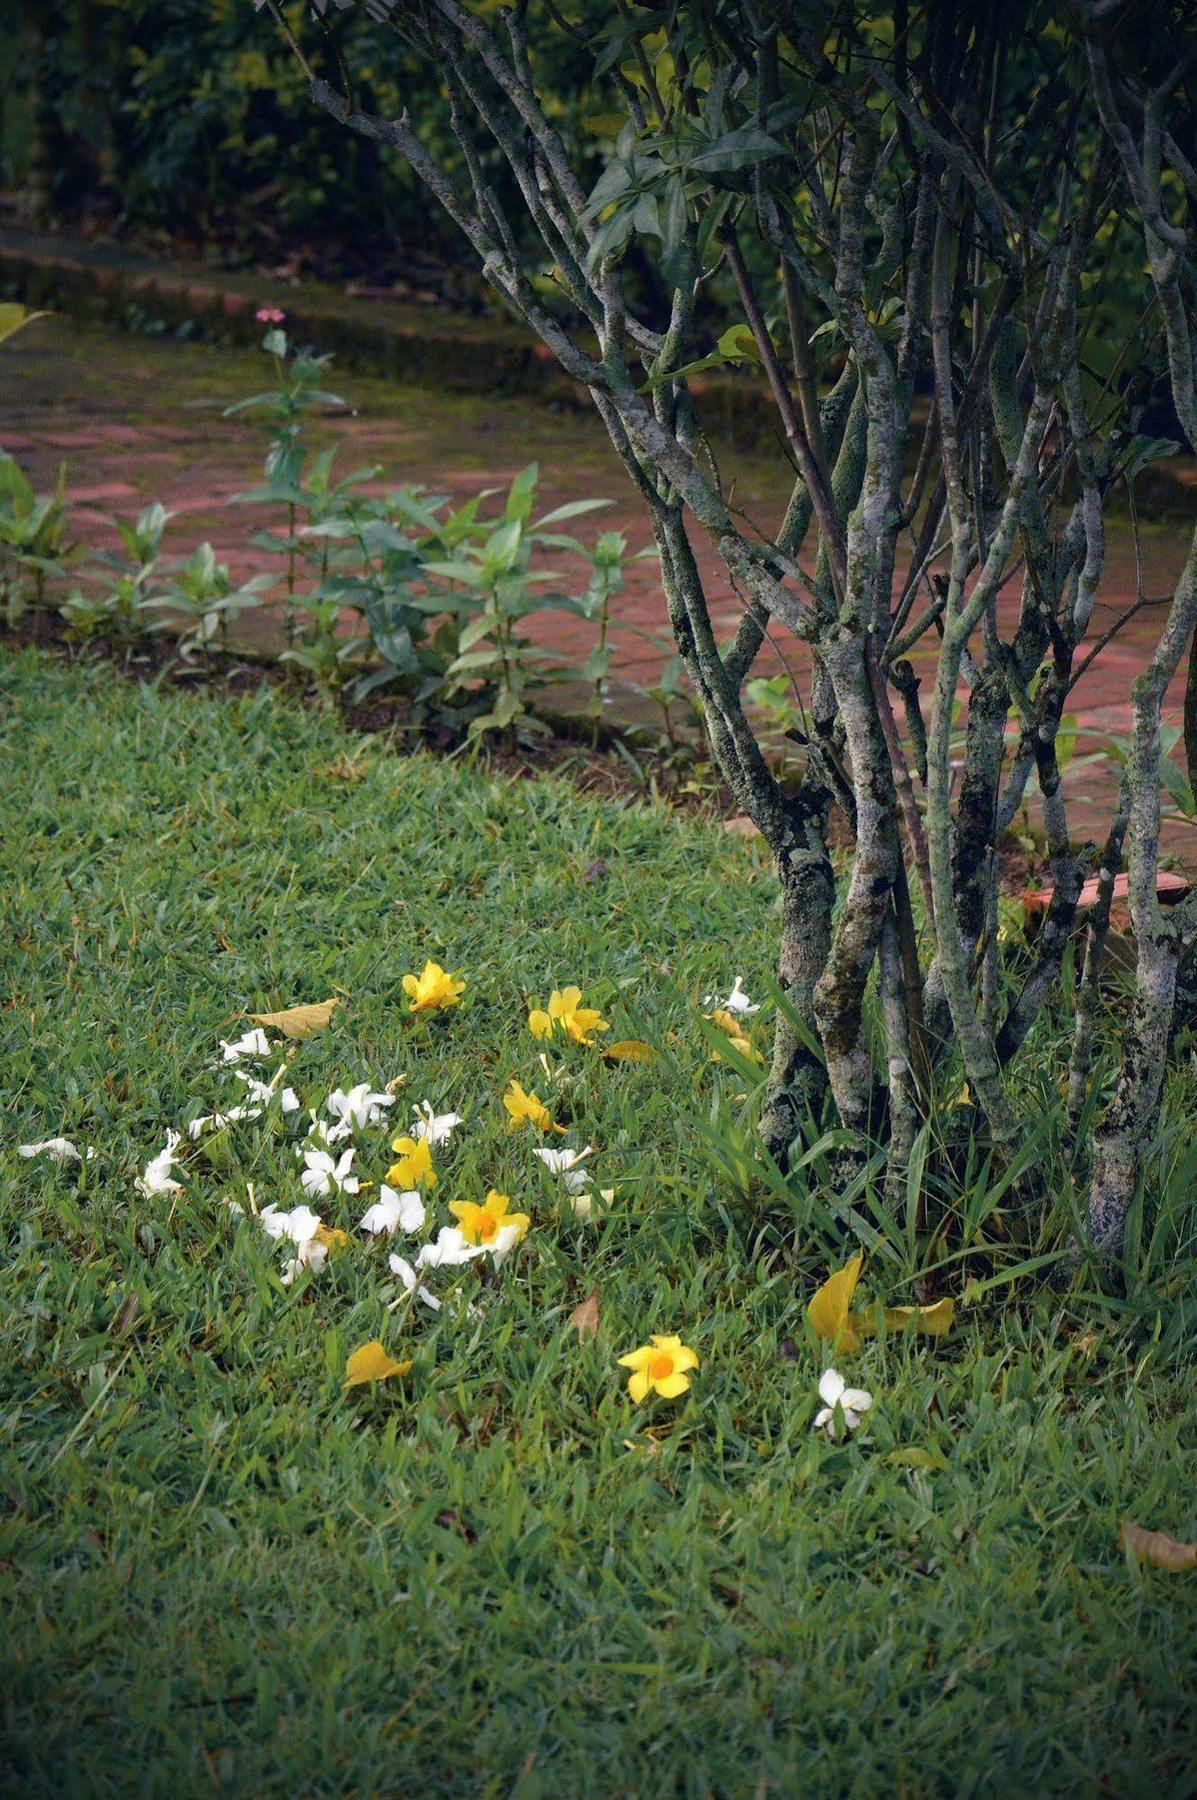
pixel 370 1362
pixel 828 1310
pixel 298 1021
pixel 585 1318
pixel 1157 1547
pixel 630 1050
pixel 935 1319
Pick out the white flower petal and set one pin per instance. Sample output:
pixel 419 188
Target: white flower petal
pixel 254 1043
pixel 436 1128
pixel 831 1386
pixel 449 1250
pixel 856 1400
pixel 58 1149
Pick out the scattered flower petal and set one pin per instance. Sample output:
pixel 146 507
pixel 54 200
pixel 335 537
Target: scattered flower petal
pixel 58 1149
pixel 253 1043
pixel 449 1250
pixel 394 1211
pixel 484 1224
pixel 526 1109
pixel 414 1168
pixel 661 1367
pixel 737 1002
pixel 323 1176
pixel 433 989
pixel 370 1362
pixel 852 1403
pixel 156 1178
pixel 400 1266
pixel 433 1128
pixel 360 1107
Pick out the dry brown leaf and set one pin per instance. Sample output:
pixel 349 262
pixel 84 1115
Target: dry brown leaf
pixel 629 1050
pixel 298 1021
pixel 740 827
pixel 1157 1548
pixel 585 1318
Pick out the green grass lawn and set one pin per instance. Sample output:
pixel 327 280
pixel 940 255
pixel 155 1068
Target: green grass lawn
pixel 496 1575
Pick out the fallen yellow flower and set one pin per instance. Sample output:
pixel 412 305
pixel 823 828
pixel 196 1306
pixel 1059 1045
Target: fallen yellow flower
pixel 737 1035
pixel 526 1109
pixel 482 1224
pixel 660 1366
pixel 433 989
pixel 566 1010
pixel 370 1362
pixel 414 1168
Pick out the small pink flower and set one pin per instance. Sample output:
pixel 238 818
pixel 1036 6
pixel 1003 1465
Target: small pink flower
pixel 270 315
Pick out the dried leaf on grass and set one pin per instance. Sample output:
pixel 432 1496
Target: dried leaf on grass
pixel 629 1050
pixel 1157 1548
pixel 585 1318
pixel 370 1362
pixel 935 1319
pixel 828 1310
pixel 298 1021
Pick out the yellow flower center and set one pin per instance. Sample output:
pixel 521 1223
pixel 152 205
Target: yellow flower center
pixel 488 1225
pixel 661 1365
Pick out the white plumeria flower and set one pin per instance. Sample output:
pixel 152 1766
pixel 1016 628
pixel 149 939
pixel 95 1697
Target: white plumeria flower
pixel 504 1242
pixel 254 1043
pixel 737 1002
pixel 565 1163
pixel 324 1176
pixel 392 1211
pixel 264 1091
pixel 58 1149
pixel 300 1224
pixel 402 1268
pixel 437 1128
pixel 311 1254
pixel 853 1402
pixel 359 1107
pixel 156 1178
pixel 215 1121
pixel 449 1250
pixel 327 1134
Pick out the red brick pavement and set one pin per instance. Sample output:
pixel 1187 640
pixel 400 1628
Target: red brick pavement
pixel 140 419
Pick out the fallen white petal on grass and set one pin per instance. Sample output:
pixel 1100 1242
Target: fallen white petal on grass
pixel 436 1128
pixel 216 1121
pixel 394 1211
pixel 254 1043
pixel 566 1164
pixel 58 1149
pixel 156 1178
pixel 300 1224
pixel 852 1402
pixel 449 1250
pixel 264 1091
pixel 322 1176
pixel 736 1002
pixel 399 1266
pixel 361 1107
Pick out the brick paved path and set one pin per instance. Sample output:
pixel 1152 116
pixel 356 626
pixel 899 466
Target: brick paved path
pixel 139 418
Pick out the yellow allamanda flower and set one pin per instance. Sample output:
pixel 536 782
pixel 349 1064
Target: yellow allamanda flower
pixel 527 1109
pixel 660 1366
pixel 734 1028
pixel 433 989
pixel 414 1168
pixel 566 1010
pixel 484 1224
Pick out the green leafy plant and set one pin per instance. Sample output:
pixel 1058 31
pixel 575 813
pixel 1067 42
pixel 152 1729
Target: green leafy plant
pixel 284 409
pixel 202 591
pixel 113 608
pixel 33 531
